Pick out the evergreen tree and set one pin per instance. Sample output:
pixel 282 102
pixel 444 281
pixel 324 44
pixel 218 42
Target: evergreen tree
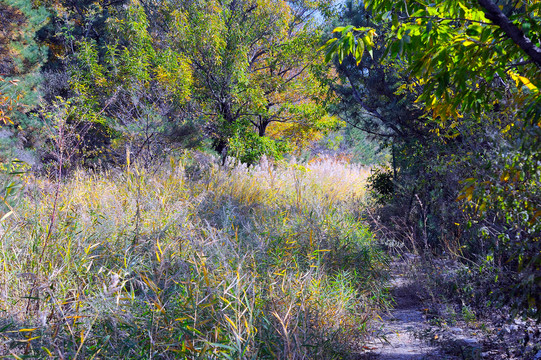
pixel 21 58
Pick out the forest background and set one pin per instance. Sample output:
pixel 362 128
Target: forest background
pixel 198 103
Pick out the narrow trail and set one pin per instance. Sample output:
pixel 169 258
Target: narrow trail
pixel 410 331
pixel 396 335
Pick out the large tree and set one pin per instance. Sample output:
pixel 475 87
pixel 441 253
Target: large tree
pixel 247 70
pixel 255 66
pixel 132 83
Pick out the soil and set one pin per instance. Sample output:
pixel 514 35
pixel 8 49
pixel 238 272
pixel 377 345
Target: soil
pixel 417 328
pixel 397 332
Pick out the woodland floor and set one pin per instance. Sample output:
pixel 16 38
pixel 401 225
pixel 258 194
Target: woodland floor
pixel 409 332
pixel 396 333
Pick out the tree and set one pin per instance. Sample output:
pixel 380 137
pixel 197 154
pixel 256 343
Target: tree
pixel 370 90
pixel 474 68
pixel 378 97
pixel 21 58
pixel 130 86
pixel 255 68
pixel 248 71
pixel 452 46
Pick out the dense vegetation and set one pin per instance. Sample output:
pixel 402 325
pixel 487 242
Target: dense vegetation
pixel 454 92
pixel 189 260
pixel 153 206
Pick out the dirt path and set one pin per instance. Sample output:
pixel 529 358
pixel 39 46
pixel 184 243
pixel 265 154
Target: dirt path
pixel 397 332
pixel 406 334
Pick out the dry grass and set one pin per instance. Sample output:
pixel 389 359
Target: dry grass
pixel 190 261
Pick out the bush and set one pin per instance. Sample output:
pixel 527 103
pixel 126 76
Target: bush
pixel 381 183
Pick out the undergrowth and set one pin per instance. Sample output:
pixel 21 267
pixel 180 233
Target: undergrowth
pixel 191 260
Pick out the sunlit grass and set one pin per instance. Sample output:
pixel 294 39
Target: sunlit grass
pixel 190 260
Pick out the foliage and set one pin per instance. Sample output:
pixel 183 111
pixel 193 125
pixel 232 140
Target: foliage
pixel 255 65
pixel 130 84
pixel 7 103
pixel 369 89
pixel 70 137
pixel 381 182
pixel 376 99
pixel 452 47
pixel 21 59
pixel 472 67
pixel 21 55
pixel 130 60
pixel 249 147
pixel 158 75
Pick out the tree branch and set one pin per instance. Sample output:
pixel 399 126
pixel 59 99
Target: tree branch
pixel 494 14
pixel 365 129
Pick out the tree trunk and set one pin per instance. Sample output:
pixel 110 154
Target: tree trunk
pixel 263 127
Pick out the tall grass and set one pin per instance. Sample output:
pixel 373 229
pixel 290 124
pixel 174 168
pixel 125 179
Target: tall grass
pixel 191 260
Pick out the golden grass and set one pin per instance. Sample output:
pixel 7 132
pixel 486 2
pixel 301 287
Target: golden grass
pixel 261 262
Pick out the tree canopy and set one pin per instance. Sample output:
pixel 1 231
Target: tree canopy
pixel 249 70
pixel 473 69
pixel 460 47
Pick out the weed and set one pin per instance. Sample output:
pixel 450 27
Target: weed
pixel 468 315
pixel 260 262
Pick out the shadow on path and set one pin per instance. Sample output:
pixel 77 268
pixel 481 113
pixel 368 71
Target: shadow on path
pixel 395 331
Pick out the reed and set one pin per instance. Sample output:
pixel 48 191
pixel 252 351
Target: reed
pixel 191 260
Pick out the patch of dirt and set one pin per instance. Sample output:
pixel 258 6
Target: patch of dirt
pixel 420 328
pixel 401 334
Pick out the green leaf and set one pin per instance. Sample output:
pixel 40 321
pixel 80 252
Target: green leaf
pixel 328 43
pixel 359 51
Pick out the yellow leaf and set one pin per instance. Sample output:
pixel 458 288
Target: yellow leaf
pixel 30 339
pixel 524 80
pixel 159 306
pixel 528 83
pixel 25 330
pixel 231 322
